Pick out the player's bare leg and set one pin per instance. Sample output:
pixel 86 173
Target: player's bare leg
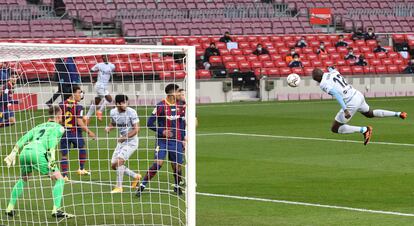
pixel 384 113
pixel 121 169
pixel 152 171
pixel 341 128
pixel 102 105
pixel 92 110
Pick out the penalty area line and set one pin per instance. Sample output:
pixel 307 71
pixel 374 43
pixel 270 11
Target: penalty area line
pixel 304 138
pixel 275 201
pixel 306 204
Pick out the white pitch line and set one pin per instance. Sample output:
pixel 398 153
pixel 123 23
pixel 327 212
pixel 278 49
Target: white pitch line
pixel 274 201
pixel 304 138
pixel 306 204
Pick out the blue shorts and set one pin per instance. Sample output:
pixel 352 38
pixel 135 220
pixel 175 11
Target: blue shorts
pixel 175 151
pixel 6 115
pixel 71 140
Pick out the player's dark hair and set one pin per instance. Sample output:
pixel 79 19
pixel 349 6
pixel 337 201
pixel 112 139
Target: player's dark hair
pixel 75 88
pixel 53 111
pixel 170 88
pixel 181 90
pixel 121 98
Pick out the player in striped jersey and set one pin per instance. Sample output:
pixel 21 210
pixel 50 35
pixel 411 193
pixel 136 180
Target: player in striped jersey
pixel 6 114
pixel 74 125
pixel 168 122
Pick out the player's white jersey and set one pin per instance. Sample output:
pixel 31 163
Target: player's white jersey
pixel 334 81
pixel 105 71
pixel 124 121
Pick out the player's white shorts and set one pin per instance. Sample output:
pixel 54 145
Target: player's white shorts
pixel 101 90
pixel 356 104
pixel 124 151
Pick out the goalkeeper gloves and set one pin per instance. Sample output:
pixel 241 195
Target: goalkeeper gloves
pixel 11 158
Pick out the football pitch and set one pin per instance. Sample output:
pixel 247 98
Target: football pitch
pixel 272 163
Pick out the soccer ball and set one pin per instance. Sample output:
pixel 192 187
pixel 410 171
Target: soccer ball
pixel 293 80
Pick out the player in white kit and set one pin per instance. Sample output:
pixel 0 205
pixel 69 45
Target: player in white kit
pixel 105 71
pixel 351 101
pixel 126 120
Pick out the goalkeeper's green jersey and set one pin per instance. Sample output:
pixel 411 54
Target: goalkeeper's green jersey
pixel 43 137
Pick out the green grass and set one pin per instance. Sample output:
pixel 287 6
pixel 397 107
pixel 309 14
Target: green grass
pixel 375 177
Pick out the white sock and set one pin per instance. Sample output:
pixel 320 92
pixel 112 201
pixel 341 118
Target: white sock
pixel 92 109
pixel 129 172
pixel 345 129
pixel 384 113
pixel 120 176
pixel 102 105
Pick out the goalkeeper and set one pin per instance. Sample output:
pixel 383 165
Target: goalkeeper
pixel 38 153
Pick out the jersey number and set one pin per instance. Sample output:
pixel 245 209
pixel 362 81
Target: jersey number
pixel 68 119
pixel 41 133
pixel 339 79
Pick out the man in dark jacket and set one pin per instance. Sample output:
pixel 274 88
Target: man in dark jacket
pixel 63 79
pixel 210 51
pixel 341 42
pixel 361 61
pixel 260 50
pixel 370 35
pixel 350 55
pixel 379 48
pixel 296 61
pixel 226 38
pixel 358 35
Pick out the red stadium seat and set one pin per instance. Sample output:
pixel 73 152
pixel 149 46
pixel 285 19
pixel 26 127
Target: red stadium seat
pixel 147 66
pixel 342 49
pixel 387 61
pixel 290 44
pixel 350 62
pixel 239 58
pixel 369 69
pixel 275 39
pixel 381 69
pixel 371 43
pixel 264 57
pixel 285 71
pixel 393 69
pixel 165 75
pixel 357 70
pixel 312 57
pixel 236 52
pixel 393 55
pixel 317 63
pixel 375 62
pixel 263 39
pixel 244 45
pixel 399 61
pixel 107 41
pixel 203 74
pixel 179 75
pixel 333 38
pixel 369 55
pixel 287 38
pixel 215 60
pixel 122 67
pixel 244 66
pixel 175 67
pixel 323 57
pixel 231 66
pixel 283 50
pixel 247 51
pixel 272 51
pixel 381 55
pixel 268 64
pixel 272 72
pixel 275 57
pixel 331 49
pixel 279 45
pixel 119 41
pixel 359 43
pixel 335 56
pixel 267 44
pixel 298 70
pixel 239 39
pixel 224 52
pixel 365 49
pixel 221 45
pixel 345 70
pixel 308 71
pixel 256 64
pixel 328 63
pixel 252 57
pixel 306 63
pixel 280 63
pixel 307 50
pixel 227 58
pixel 258 72
pixel 136 67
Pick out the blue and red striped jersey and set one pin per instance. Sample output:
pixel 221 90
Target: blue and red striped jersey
pixel 170 117
pixel 72 111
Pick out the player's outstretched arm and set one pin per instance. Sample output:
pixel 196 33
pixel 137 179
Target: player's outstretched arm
pixel 85 128
pixel 132 133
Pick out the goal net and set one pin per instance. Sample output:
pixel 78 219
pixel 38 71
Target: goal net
pixel 142 74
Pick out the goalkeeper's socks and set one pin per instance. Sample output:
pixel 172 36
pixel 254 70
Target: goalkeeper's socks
pixel 82 158
pixel 58 193
pixel 16 193
pixel 152 171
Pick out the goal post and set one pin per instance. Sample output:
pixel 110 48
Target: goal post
pixel 141 72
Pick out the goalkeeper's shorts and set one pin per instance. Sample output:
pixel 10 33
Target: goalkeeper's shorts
pixel 32 158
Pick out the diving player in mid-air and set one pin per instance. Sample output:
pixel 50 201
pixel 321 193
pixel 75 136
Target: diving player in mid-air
pixel 38 151
pixel 351 101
